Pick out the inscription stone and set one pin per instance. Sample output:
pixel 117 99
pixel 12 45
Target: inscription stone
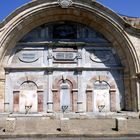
pixel 101 86
pixel 28 57
pixel 64 56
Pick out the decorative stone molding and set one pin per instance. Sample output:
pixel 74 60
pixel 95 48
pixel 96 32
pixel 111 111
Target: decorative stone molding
pixel 65 3
pixel 30 78
pixel 59 80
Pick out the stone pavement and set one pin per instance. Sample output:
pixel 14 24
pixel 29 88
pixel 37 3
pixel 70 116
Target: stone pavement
pixel 44 126
pixel 74 138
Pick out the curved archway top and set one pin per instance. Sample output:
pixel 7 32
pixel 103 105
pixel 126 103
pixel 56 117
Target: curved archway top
pixel 36 13
pixel 27 8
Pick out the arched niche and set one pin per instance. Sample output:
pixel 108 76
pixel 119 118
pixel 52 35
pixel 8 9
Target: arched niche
pixel 101 92
pixel 101 97
pixel 27 99
pixel 59 87
pixel 65 99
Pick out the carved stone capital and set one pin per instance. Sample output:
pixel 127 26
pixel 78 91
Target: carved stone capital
pixel 79 55
pixel 79 71
pixel 50 72
pixel 50 56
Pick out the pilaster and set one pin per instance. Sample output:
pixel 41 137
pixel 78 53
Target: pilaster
pixel 2 84
pixel 50 94
pixel 8 98
pixel 79 57
pixel 80 107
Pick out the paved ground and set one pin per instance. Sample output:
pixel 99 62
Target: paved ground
pixel 42 126
pixel 78 138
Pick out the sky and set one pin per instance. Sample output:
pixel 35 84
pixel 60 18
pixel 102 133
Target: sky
pixel 124 7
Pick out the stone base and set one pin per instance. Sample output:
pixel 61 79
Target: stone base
pixel 10 124
pixel 121 124
pixel 65 125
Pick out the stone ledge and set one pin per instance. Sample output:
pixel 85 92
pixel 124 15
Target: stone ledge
pixel 73 115
pixel 97 135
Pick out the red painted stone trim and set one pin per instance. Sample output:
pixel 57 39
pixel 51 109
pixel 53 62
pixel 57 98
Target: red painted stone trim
pixel 16 101
pixel 68 78
pixel 29 78
pixel 89 106
pixel 40 101
pixel 113 101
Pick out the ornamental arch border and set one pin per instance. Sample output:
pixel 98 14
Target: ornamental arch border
pixel 33 79
pixel 59 79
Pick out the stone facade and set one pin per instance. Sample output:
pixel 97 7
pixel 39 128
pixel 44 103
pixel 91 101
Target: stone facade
pixel 68 56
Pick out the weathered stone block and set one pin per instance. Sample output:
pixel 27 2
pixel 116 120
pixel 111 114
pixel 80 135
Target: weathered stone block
pixel 65 125
pixel 10 124
pixel 121 124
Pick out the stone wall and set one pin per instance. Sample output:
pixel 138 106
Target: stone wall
pixel 123 37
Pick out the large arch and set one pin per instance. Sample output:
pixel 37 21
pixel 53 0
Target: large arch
pixel 86 12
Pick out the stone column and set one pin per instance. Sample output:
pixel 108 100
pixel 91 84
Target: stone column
pixel 128 98
pixel 83 57
pixel 50 56
pixel 80 108
pixel 45 92
pixel 79 81
pixel 49 87
pixel 50 94
pixel 138 93
pixel 8 100
pixel 79 57
pixel 2 84
pixel 138 90
pixel 134 93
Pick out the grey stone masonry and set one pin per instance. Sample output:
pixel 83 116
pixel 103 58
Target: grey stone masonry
pixel 64 124
pixel 121 124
